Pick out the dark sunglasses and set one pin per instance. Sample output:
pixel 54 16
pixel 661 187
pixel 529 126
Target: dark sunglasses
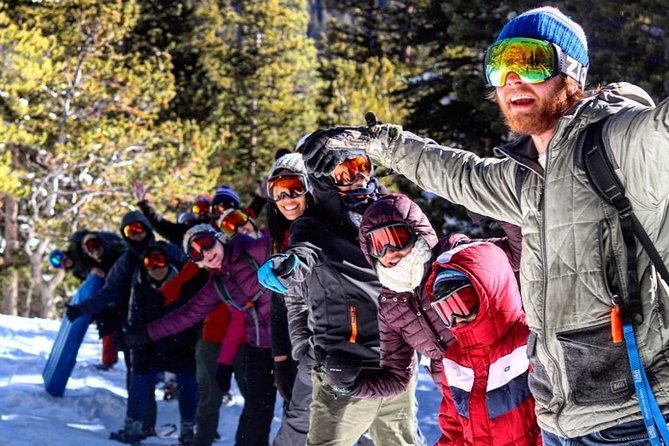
pixel 199 243
pixel 396 236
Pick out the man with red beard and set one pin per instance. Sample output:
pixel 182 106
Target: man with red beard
pixel 575 280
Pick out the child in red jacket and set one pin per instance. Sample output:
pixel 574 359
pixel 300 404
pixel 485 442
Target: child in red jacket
pixel 487 400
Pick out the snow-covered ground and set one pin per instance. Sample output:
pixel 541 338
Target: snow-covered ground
pixel 94 401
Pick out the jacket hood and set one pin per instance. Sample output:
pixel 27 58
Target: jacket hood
pixel 136 216
pixel 395 208
pixel 487 267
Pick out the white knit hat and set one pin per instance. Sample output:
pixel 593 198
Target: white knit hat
pixel 292 162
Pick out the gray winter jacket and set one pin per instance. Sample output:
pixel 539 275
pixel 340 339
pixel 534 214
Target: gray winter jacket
pixel 573 256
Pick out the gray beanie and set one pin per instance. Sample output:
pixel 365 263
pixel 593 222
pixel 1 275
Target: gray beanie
pixel 292 162
pixel 202 227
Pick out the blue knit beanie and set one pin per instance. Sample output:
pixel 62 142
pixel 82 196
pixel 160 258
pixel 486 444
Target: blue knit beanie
pixel 548 23
pixel 226 195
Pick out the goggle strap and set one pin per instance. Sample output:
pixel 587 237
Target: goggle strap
pixel 572 68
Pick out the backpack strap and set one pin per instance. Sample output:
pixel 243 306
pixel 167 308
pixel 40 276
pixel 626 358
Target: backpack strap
pixel 600 169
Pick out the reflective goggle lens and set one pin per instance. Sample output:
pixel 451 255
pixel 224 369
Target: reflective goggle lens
pixel 462 303
pixel 93 243
pixel 286 186
pixel 200 243
pixel 56 259
pixel 532 60
pixel 232 221
pixel 396 236
pixel 134 228
pixel 155 260
pixel 201 207
pixel 346 172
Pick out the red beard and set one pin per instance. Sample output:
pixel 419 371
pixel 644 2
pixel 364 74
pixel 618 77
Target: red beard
pixel 548 111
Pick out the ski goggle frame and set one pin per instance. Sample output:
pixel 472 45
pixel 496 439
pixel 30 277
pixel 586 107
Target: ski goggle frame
pixel 199 243
pixel 352 168
pixel 294 184
pixel 459 302
pixel 533 60
pixel 155 260
pixel 134 228
pixel 396 236
pixel 93 244
pixel 231 222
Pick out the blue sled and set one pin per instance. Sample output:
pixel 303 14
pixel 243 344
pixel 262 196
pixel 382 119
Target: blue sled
pixel 63 355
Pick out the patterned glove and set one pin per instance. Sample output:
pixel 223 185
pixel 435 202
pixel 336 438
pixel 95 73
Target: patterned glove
pixel 382 137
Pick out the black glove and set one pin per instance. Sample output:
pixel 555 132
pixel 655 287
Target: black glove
pixel 342 369
pixel 285 373
pixel 135 335
pixel 223 377
pixel 73 312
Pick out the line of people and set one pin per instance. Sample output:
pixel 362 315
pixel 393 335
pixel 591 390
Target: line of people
pixel 349 289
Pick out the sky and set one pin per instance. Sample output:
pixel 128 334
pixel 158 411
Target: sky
pixel 94 401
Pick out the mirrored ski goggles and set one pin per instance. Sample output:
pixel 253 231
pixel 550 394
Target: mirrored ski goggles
pixel 199 243
pixel 134 228
pixel 533 60
pixel 453 296
pixel 155 260
pixel 56 259
pixel 396 236
pixel 231 222
pixel 200 207
pixel 349 170
pixel 286 186
pixel 93 244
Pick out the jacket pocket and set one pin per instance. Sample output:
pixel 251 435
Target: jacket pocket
pixel 538 381
pixel 597 369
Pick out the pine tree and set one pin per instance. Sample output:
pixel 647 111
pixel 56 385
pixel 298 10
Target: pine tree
pixel 263 64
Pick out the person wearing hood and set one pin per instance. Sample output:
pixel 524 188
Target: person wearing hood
pixel 487 400
pixel 100 251
pixel 331 294
pixel 233 264
pixel 400 243
pixel 174 354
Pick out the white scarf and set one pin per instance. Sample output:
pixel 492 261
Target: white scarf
pixel 409 272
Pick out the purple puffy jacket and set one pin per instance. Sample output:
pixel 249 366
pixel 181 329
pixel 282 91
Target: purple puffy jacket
pixel 239 275
pixel 407 322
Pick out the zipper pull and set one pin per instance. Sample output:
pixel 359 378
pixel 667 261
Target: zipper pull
pixel 616 325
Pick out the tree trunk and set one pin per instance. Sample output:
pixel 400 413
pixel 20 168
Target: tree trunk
pixel 10 289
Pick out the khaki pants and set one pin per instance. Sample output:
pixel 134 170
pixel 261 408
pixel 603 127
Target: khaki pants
pixel 341 420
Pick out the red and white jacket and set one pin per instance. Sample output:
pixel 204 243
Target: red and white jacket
pixel 487 400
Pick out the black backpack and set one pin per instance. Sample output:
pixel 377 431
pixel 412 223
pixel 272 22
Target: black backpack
pixel 599 165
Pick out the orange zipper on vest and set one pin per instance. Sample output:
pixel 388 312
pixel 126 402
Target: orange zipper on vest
pixel 353 314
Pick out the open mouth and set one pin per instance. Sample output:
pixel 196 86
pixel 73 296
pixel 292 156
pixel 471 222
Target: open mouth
pixel 521 101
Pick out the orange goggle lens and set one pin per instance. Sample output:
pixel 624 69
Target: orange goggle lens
pixel 134 228
pixel 286 186
pixel 155 260
pixel 396 236
pixel 232 221
pixel 462 303
pixel 200 207
pixel 347 171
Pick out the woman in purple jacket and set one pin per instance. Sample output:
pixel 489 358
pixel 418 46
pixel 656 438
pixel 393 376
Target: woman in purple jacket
pixel 233 263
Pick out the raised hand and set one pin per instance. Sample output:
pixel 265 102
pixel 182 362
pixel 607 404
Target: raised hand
pixel 138 190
